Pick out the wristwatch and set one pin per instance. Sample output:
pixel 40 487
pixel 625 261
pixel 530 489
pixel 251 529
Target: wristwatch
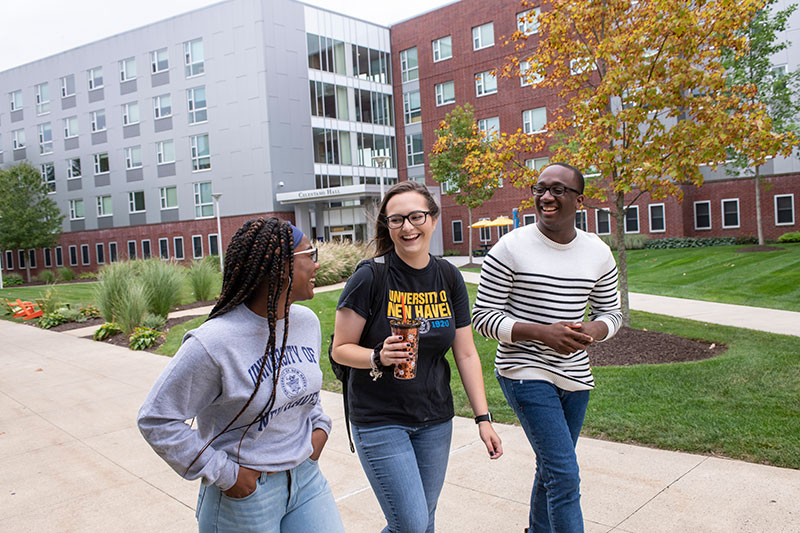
pixel 483 418
pixel 376 371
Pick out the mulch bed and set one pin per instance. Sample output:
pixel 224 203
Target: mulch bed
pixel 77 325
pixel 764 248
pixel 122 340
pixel 640 347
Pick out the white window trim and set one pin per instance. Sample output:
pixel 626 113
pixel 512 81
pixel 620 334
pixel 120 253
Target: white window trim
pixel 71 206
pixel 9 265
pixel 525 23
pixel 69 169
pixel 11 98
pixel 209 243
pixel 42 106
pixel 15 142
pixel 32 257
pixel 166 240
pixel 149 246
pixel 404 69
pixel 47 259
pixel 435 49
pixel 530 112
pixel 135 249
pixel 525 217
pixel 585 219
pixel 63 84
pixel 99 205
pixel 436 92
pixel 453 231
pixel 638 221
pixel 597 221
pixel 116 248
pixel 650 217
pixel 175 249
pixel 73 247
pixel 96 164
pixel 130 164
pixel 131 203
pixel 88 255
pixel 162 197
pixel 100 246
pixel 738 213
pixel 92 85
pixel 93 121
pixel 157 113
pixel 694 215
pixel 66 128
pixel 58 251
pixel 198 201
pixel 123 75
pixel 192 108
pixel 154 61
pixel 775 210
pixel 126 110
pixel 194 148
pixel 188 60
pixel 480 84
pixel 201 247
pixel 160 152
pixel 482 46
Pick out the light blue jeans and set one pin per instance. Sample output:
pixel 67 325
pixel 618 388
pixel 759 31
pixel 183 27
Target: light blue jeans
pixel 406 468
pixel 296 501
pixel 552 419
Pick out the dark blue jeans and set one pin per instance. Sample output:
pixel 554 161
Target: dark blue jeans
pixel 405 467
pixel 552 420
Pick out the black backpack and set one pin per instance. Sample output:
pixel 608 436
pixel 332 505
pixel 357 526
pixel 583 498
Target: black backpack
pixel 378 266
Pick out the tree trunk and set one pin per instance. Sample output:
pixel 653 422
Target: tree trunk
pixel 622 260
pixel 469 229
pixel 759 226
pixel 28 271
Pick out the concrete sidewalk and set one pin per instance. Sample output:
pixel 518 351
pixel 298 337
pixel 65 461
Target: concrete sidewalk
pixel 72 460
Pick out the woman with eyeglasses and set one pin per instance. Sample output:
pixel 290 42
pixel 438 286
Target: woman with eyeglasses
pixel 402 427
pixel 250 376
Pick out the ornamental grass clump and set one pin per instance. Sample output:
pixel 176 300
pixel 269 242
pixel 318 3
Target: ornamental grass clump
pixel 338 260
pixel 110 294
pixel 203 279
pixel 130 310
pixel 163 282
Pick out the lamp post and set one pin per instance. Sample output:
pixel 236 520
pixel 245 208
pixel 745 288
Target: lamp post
pixel 381 161
pixel 216 196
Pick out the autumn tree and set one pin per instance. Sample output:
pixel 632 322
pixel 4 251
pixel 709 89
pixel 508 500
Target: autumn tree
pixel 776 88
pixel 644 96
pixel 470 163
pixel 28 217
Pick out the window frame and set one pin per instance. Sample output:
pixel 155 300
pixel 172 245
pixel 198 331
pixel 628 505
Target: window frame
pixel 638 221
pixel 94 115
pixel 68 122
pixel 195 239
pixel 9 265
pixel 597 220
pixel 132 195
pixel 197 159
pixel 191 104
pixel 524 26
pixel 158 107
pixel 190 63
pixel 775 204
pixel 160 152
pixel 481 79
pixel 477 39
pixel 694 215
pixel 97 163
pixel 73 209
pixel 164 197
pixel 100 205
pixel 16 103
pixel 73 255
pixel 175 248
pixel 129 109
pixel 64 83
pixel 663 217
pixel 528 121
pixel 48 173
pixel 211 248
pixel 453 224
pixel 154 61
pixel 436 48
pixel 19 140
pixel 405 70
pixel 124 70
pixel 163 241
pixel 135 250
pixel 411 156
pixel 147 250
pixel 440 97
pixel 45 146
pixel 59 253
pixel 85 257
pixel 47 253
pixel 738 213
pixel 92 78
pixel 100 253
pixel 113 252
pixel 411 113
pixel 133 157
pixel 197 191
pixel 584 216
pixel 41 95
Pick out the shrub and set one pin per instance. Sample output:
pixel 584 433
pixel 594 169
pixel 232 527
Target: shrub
pixel 87 275
pixel 66 274
pixel 49 320
pixel 154 321
pixel 163 282
pixel 110 294
pixel 48 303
pixel 130 309
pixel 46 276
pixel 143 338
pixel 451 252
pixel 338 260
pixel 90 311
pixel 792 236
pixel 12 280
pixel 212 260
pixel 202 278
pixel 74 315
pixel 745 239
pixel 632 242
pixel 109 329
pixel 690 242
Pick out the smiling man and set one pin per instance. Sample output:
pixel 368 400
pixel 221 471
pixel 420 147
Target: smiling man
pixel 534 288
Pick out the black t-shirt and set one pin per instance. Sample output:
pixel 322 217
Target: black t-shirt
pixel 426 399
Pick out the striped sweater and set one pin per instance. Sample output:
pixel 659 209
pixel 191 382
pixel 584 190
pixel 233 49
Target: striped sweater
pixel 527 277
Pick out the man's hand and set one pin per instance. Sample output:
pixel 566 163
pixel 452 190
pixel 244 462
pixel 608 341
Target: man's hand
pixel 246 483
pixel 565 337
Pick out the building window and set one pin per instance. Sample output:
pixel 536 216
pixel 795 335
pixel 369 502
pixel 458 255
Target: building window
pixel 526 75
pixel 59 256
pixel 104 206
pixel 42 93
pixel 528 219
pixel 485 234
pixel 580 220
pixel 48 257
pixel 603 222
pixel 213 244
pixel 73 255
pixel 527 23
pixel 193 57
pixel 483 36
pixel 201 160
pixel 45 138
pixel 162 106
pixel 76 210
pixel 100 253
pixel 84 254
pixel 95 78
pixel 146 254
pixel 112 252
pixel 159 61
pixel 442 49
pixel 136 202
pixel 100 163
pixel 133 157
pixel 32 257
pixel 458 231
pixel 177 246
pixel 409 66
pixel 163 248
pixel 130 113
pixel 327 54
pixel 21 258
pixel 127 69
pixel 16 100
pixel 490 127
pixel 70 127
pixel 414 154
pixel 485 83
pixel 197 246
pixel 198 108
pixel 169 197
pixel 632 219
pixel 48 176
pixel 9 260
pixel 98 120
pixel 203 203
pixel 534 120
pixel 18 140
pixel 165 152
pixel 412 109
pixel 702 215
pixel 131 250
pixel 657 221
pixel 784 209
pixel 67 86
pixel 537 163
pixel 730 213
pixel 445 93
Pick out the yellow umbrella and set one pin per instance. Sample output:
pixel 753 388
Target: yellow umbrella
pixel 485 223
pixel 501 221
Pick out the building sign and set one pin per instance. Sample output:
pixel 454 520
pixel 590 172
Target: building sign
pixel 339 193
pixel 320 193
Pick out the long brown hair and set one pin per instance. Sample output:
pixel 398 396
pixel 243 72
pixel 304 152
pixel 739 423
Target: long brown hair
pixel 259 252
pixel 383 241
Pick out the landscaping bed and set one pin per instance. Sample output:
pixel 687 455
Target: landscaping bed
pixel 641 347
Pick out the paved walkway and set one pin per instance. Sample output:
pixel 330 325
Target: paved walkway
pixel 72 460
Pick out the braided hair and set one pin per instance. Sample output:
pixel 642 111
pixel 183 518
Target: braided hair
pixel 383 241
pixel 259 252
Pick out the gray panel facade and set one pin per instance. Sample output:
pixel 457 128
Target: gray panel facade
pixel 162 124
pixel 96 95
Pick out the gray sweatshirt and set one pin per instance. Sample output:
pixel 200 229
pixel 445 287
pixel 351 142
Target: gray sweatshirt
pixel 212 376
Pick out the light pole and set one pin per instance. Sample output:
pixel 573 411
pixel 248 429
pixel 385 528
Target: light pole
pixel 216 196
pixel 381 161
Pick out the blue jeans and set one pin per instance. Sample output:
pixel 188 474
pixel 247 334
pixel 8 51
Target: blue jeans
pixel 296 501
pixel 405 467
pixel 552 420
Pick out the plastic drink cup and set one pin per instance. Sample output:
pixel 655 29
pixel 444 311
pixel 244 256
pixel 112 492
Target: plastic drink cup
pixel 409 331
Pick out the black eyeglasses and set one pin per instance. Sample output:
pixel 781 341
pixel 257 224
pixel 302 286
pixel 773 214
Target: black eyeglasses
pixel 313 253
pixel 556 190
pixel 417 218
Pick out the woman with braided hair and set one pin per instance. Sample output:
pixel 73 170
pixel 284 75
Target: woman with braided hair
pixel 250 376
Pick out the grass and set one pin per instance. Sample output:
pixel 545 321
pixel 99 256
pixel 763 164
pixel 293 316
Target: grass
pixel 74 294
pixel 175 335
